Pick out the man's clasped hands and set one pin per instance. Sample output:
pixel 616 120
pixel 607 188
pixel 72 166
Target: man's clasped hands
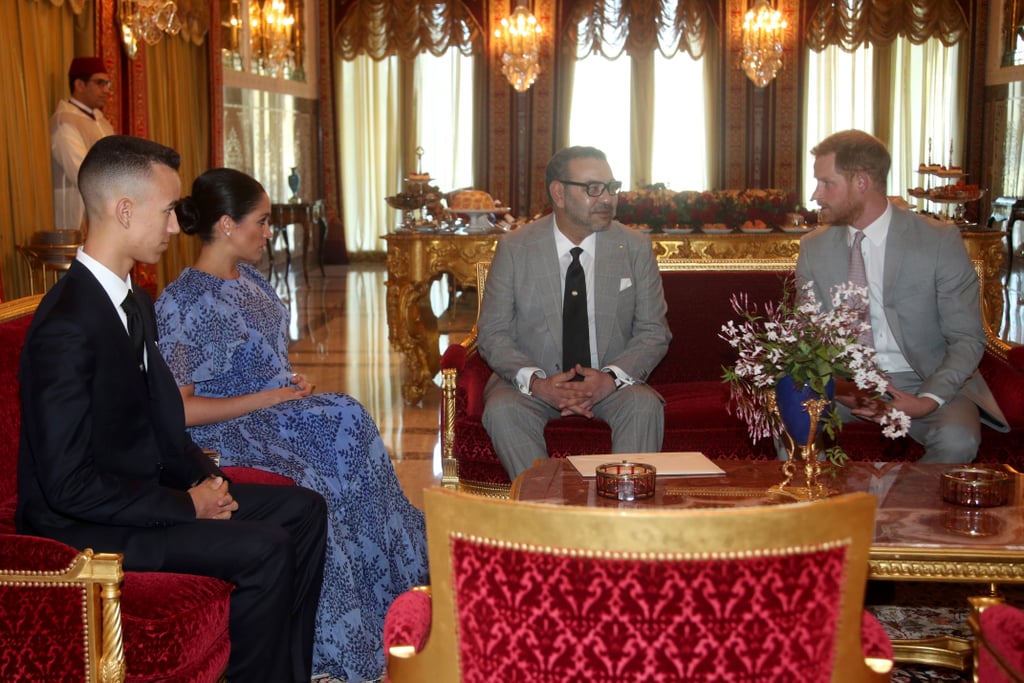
pixel 574 392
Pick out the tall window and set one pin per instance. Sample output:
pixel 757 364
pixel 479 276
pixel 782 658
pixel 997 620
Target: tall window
pixel 646 111
pixel 443 108
pixel 839 97
pixel 600 111
pixel 601 118
pixel 679 157
pixel 373 146
pixel 913 92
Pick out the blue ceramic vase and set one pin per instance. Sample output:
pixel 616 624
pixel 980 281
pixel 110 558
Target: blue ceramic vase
pixel 790 398
pixel 293 182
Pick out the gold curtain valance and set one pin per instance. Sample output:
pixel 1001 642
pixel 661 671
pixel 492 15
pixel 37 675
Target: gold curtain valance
pixel 852 23
pixel 407 28
pixel 76 5
pixel 195 20
pixel 611 27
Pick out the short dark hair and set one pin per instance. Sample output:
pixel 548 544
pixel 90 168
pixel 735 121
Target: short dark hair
pixel 856 152
pixel 117 158
pixel 218 192
pixel 556 168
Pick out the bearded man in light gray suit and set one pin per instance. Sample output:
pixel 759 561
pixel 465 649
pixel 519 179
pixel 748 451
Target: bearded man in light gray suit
pixel 925 306
pixel 520 326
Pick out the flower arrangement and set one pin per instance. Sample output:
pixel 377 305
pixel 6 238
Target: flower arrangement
pixel 657 207
pixel 652 206
pixel 796 337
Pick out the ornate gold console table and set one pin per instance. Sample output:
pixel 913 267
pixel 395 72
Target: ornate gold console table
pixel 414 260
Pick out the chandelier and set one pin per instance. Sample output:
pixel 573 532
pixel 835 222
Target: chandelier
pixel 520 59
pixel 146 20
pixel 762 43
pixel 273 45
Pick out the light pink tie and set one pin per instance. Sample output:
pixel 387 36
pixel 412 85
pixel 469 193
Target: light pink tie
pixel 858 275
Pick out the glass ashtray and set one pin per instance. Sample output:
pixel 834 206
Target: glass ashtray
pixel 975 486
pixel 626 480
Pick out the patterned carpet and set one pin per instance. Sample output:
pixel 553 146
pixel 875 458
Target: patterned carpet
pixel 924 610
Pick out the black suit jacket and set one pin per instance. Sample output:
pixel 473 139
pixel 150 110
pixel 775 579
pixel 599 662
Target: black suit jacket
pixel 104 459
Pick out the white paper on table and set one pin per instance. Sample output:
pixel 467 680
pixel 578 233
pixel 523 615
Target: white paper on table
pixel 691 464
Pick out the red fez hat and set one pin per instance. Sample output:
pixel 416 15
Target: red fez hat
pixel 86 66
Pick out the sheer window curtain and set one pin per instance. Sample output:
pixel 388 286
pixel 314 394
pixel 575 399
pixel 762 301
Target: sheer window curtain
pixel 926 107
pixel 920 86
pixel 599 117
pixel 665 96
pixel 1013 148
pixel 375 153
pixel 443 102
pixel 839 97
pixel 367 97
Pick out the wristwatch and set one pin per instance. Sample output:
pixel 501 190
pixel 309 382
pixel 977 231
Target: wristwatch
pixel 615 378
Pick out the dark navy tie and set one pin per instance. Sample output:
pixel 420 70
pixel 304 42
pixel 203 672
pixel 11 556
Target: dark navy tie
pixel 575 325
pixel 135 335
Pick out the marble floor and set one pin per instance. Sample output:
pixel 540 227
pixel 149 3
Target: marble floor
pixel 340 339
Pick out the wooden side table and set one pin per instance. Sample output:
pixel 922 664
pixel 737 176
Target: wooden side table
pixel 309 215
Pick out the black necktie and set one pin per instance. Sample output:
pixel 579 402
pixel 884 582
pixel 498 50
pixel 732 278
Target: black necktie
pixel 575 326
pixel 134 315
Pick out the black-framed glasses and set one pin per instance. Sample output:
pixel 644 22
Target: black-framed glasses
pixel 596 189
pixel 102 82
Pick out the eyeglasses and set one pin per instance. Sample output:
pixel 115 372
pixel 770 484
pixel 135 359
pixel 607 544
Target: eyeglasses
pixel 102 82
pixel 596 189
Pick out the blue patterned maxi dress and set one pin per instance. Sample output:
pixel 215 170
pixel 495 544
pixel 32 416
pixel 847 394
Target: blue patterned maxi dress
pixel 228 338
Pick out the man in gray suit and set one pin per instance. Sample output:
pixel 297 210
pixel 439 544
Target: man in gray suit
pixel 521 320
pixel 925 307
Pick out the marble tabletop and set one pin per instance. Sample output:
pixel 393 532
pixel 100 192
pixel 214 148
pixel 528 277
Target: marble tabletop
pixel 917 534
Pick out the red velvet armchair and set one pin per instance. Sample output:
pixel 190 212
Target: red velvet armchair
pixel 70 615
pixel 531 592
pixel 998 644
pixel 697 418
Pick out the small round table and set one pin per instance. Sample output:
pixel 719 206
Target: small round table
pixel 49 253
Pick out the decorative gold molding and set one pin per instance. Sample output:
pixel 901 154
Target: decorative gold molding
pixel 100 576
pixel 914 564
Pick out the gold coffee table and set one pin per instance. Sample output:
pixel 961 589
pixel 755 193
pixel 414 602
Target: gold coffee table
pixel 918 536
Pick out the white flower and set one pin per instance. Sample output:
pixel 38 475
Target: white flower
pixel 796 337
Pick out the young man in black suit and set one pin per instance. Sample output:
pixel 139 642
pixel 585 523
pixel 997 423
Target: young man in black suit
pixel 105 461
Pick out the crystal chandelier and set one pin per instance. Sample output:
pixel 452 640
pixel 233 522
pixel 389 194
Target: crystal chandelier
pixel 520 59
pixel 146 20
pixel 273 48
pixel 762 43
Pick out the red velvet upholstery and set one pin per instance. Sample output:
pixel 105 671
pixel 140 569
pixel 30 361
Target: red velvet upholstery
pixel 42 632
pixel 563 593
pixel 251 475
pixel 542 616
pixel 999 645
pixel 689 378
pixel 408 620
pixel 175 627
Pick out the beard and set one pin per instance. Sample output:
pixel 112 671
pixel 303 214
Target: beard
pixel 845 213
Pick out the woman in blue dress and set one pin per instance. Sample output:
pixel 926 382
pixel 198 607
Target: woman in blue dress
pixel 223 331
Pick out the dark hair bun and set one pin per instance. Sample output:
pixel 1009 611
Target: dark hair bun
pixel 188 215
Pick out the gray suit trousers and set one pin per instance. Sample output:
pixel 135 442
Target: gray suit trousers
pixel 515 422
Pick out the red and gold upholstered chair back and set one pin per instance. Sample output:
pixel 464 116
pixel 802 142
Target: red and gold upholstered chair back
pixel 532 592
pixel 998 644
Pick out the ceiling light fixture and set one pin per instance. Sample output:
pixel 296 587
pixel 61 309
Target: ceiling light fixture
pixel 520 58
pixel 763 29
